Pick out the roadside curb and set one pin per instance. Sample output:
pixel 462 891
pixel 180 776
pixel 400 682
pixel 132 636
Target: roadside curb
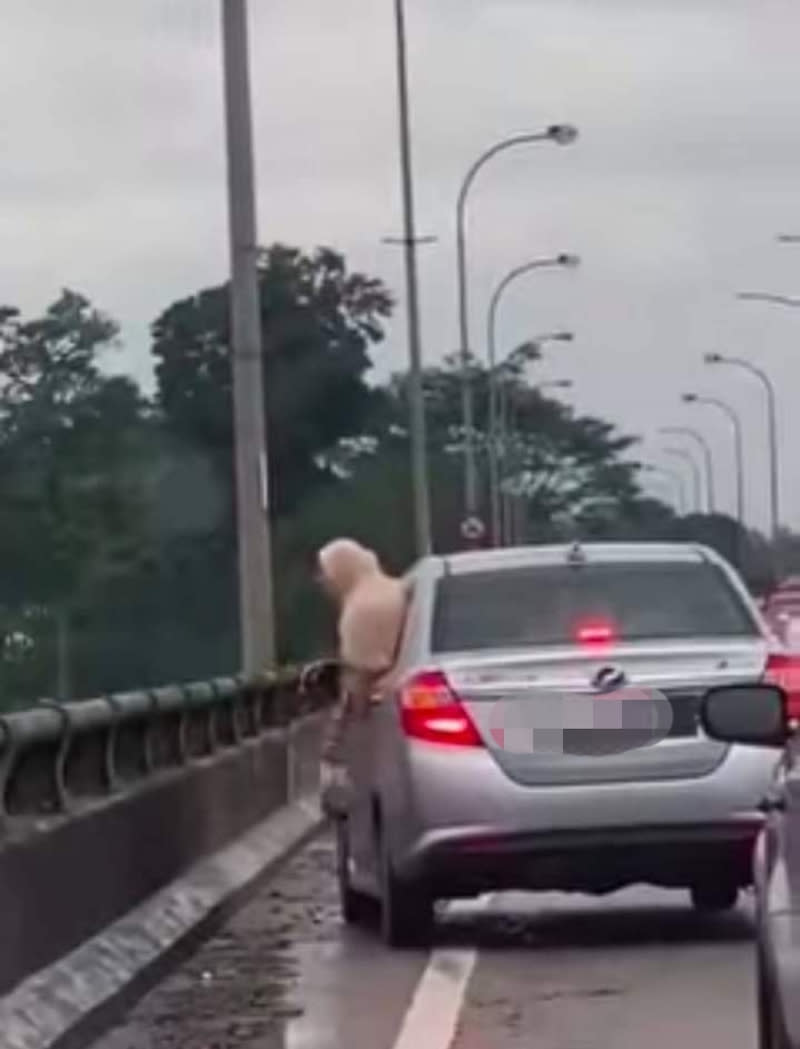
pixel 55 1007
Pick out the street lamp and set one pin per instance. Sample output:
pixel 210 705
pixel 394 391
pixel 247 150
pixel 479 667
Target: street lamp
pixel 564 261
pixel 561 135
pixel 552 262
pixel 772 418
pixel 705 449
pixel 256 597
pixel 694 469
pixel 416 398
pixel 766 296
pixel 694 398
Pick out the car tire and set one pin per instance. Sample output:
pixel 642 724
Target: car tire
pixel 714 897
pixel 407 912
pixel 357 908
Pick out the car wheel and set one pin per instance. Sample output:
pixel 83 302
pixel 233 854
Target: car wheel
pixel 715 897
pixel 357 908
pixel 406 908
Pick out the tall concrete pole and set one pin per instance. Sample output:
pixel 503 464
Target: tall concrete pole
pixel 256 601
pixel 419 461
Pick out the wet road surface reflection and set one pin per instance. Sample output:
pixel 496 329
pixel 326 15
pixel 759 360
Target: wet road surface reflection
pixel 553 972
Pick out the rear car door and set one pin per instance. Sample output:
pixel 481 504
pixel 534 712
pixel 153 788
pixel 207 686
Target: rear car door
pixel 370 757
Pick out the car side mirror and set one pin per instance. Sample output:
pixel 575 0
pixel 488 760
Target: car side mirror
pixel 751 714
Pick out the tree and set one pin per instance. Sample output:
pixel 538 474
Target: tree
pixel 557 464
pixel 569 470
pixel 747 550
pixel 69 468
pixel 319 322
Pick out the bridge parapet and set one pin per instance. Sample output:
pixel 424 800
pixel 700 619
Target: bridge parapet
pixel 103 802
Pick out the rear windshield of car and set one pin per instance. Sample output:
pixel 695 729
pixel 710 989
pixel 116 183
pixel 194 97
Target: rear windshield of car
pixel 555 604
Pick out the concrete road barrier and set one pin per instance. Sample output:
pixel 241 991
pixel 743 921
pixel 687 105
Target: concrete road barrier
pixel 104 803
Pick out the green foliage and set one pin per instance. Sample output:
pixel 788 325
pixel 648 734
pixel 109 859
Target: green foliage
pixel 117 539
pixel 559 464
pixel 69 458
pixel 319 323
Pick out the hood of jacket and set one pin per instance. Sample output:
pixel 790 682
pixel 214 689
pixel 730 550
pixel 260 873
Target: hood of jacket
pixel 346 564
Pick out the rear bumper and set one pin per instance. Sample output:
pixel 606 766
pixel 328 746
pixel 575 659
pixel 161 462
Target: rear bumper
pixel 458 819
pixel 471 861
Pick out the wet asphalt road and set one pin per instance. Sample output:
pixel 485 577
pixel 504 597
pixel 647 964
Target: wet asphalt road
pixel 638 970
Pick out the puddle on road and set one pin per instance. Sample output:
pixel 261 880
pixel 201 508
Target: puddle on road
pixel 320 1025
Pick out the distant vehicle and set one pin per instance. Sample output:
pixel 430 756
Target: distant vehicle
pixel 487 769
pixel 781 609
pixel 764 715
pixel 787 591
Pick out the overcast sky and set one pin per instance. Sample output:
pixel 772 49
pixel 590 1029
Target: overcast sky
pixel 112 177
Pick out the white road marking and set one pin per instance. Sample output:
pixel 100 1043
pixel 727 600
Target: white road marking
pixel 432 1017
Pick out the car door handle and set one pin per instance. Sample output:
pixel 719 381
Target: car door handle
pixel 772 803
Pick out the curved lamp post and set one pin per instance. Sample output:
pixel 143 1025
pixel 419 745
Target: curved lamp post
pixel 560 134
pixel 694 470
pixel 767 296
pixel 564 261
pixel 772 418
pixel 730 414
pixel 705 449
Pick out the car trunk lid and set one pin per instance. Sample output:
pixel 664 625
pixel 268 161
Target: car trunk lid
pixel 673 675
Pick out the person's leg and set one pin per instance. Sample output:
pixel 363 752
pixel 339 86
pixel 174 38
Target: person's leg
pixel 334 780
pixel 355 692
pixel 333 739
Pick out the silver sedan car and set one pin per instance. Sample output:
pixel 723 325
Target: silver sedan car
pixel 543 734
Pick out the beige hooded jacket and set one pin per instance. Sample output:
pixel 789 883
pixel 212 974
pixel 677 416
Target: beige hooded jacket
pixel 372 607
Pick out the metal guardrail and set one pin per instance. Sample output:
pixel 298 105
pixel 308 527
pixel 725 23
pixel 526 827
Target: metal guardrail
pixel 56 759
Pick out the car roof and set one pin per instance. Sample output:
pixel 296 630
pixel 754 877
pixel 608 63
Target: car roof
pixel 593 553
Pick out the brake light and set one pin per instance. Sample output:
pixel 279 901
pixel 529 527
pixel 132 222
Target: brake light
pixel 594 633
pixel 784 670
pixel 431 711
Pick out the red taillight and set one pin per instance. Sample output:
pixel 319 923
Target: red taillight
pixel 432 712
pixel 784 670
pixel 596 632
